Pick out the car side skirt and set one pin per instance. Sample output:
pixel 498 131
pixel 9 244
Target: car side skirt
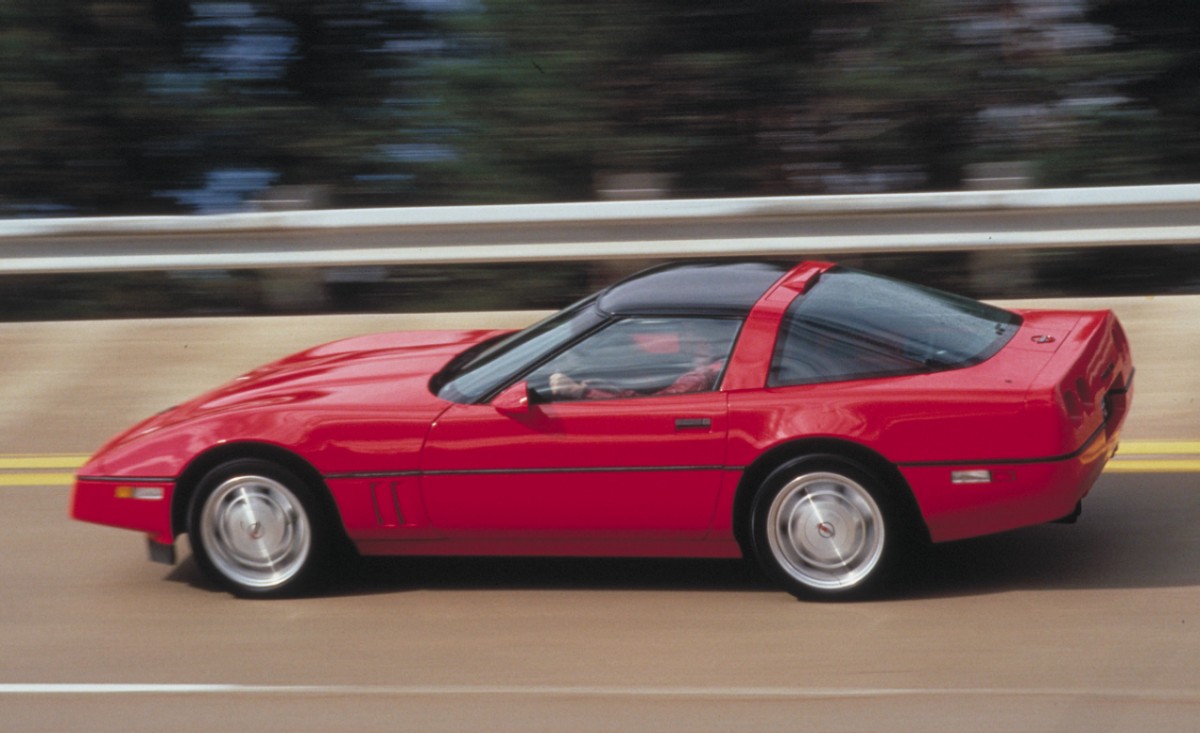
pixel 564 547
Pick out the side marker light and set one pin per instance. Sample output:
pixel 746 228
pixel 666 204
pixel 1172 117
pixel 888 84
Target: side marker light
pixel 145 493
pixel 979 476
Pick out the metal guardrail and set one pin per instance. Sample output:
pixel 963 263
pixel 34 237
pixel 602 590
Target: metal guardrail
pixel 792 226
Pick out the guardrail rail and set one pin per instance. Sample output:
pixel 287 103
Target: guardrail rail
pixel 797 226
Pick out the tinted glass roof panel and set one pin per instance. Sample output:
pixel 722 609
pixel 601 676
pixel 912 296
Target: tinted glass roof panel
pixel 716 288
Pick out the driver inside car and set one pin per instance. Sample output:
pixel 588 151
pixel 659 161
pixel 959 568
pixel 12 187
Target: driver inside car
pixel 702 376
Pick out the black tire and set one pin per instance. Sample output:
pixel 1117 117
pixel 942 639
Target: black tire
pixel 255 528
pixel 824 527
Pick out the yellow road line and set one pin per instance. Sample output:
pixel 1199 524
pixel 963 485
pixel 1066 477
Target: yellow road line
pixel 1145 456
pixel 10 463
pixel 37 479
pixel 1160 448
pixel 1162 465
pixel 35 470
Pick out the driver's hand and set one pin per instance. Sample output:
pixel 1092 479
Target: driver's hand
pixel 563 386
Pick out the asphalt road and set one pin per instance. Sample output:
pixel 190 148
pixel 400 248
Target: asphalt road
pixel 1091 627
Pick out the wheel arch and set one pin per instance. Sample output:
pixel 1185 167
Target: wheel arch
pixel 189 480
pixel 855 453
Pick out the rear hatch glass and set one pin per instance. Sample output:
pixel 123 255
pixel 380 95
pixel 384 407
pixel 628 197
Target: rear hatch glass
pixel 855 325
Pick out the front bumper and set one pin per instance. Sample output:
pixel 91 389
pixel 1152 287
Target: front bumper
pixel 129 503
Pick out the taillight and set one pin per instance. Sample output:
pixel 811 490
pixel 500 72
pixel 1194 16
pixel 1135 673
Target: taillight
pixel 1115 404
pixel 1084 391
pixel 1074 410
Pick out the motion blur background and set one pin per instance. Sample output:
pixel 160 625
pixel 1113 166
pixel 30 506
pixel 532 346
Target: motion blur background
pixel 123 107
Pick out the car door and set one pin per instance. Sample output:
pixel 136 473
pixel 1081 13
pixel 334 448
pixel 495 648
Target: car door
pixel 635 455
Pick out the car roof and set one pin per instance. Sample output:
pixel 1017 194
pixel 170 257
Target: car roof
pixel 692 288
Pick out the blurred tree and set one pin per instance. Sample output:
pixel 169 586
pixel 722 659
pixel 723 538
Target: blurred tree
pixel 80 124
pixel 759 97
pixel 319 94
pixel 140 106
pixel 1142 115
pixel 516 103
pixel 124 106
pixel 913 93
pixel 553 100
pixel 313 96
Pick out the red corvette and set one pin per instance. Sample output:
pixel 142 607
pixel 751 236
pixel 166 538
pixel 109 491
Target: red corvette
pixel 818 419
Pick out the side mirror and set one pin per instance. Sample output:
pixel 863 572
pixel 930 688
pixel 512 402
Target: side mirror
pixel 513 401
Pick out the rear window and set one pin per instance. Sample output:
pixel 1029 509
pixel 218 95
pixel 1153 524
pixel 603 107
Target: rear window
pixel 854 325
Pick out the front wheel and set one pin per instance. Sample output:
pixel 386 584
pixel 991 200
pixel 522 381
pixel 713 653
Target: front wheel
pixel 823 527
pixel 254 529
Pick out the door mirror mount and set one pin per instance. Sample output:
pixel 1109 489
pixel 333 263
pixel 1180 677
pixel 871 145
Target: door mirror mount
pixel 514 400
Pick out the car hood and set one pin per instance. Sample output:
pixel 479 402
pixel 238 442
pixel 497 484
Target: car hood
pixel 352 370
pixel 298 400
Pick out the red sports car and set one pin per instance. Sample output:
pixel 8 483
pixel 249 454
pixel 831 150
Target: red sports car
pixel 818 418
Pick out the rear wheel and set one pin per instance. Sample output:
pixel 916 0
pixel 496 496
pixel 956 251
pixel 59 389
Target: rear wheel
pixel 824 527
pixel 254 528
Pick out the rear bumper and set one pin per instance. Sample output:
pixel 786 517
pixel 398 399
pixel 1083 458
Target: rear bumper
pixel 138 504
pixel 1019 493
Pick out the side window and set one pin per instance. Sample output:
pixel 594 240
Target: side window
pixel 808 352
pixel 853 325
pixel 639 357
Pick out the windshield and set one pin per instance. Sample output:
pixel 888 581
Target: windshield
pixel 482 372
pixel 854 325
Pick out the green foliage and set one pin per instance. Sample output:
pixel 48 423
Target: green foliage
pixel 109 108
pixel 76 125
pixel 552 97
pixel 1154 63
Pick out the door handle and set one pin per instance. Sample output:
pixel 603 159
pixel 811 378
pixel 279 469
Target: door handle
pixel 692 423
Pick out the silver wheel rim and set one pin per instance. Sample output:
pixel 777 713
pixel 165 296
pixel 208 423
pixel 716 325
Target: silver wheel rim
pixel 825 530
pixel 255 531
